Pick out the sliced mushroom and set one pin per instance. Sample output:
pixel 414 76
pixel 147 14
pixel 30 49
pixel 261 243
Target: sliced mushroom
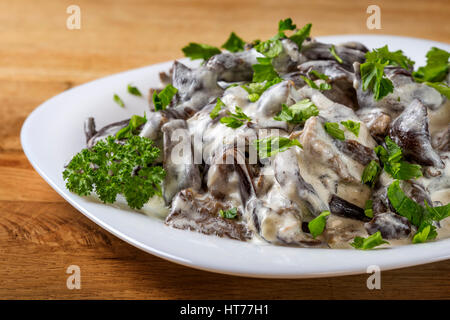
pixel 233 67
pixel 108 130
pixel 390 225
pixel 343 208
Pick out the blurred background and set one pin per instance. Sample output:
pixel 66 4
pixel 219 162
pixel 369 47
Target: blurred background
pixel 40 57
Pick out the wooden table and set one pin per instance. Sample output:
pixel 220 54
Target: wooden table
pixel 41 234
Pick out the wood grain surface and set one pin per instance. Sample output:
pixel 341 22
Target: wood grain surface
pixel 41 234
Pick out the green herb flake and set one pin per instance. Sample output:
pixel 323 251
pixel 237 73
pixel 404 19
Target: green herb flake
pixel 133 125
pixel 393 58
pixel 234 43
pixel 319 75
pixel 228 214
pixel 256 89
pixel 297 113
pixel 368 243
pixel 270 48
pixel 134 90
pixel 264 70
pixel 215 112
pixel 436 68
pixel 317 225
pixel 300 35
pixel 332 128
pixel 352 126
pixel 270 146
pixel 335 55
pixel 374 79
pixel 368 208
pixel 200 51
pixel 118 100
pixel 235 120
pixel 286 24
pixel 403 205
pixel 312 84
pixel 371 173
pixel 162 100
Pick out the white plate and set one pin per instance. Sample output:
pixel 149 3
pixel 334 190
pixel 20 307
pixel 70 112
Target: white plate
pixel 53 133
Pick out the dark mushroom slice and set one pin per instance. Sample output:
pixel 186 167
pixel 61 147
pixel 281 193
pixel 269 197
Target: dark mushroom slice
pixel 200 212
pixel 331 68
pixel 380 201
pixel 181 171
pixel 295 78
pixel 233 67
pixel 410 131
pixel 355 46
pixel 441 140
pixel 343 208
pixel 288 175
pixel 89 128
pixel 321 51
pixel 108 130
pixel 390 225
pixel 356 151
pixel 269 104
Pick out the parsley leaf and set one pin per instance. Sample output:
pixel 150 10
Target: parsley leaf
pixel 270 146
pixel 394 58
pixel 441 87
pixel 300 35
pixel 319 75
pixel 352 126
pixel 286 24
pixel 234 43
pixel 368 208
pixel 405 206
pixel 374 79
pixel 371 173
pixel 298 112
pixel 317 225
pixel 332 128
pixel 423 234
pixel 236 119
pixel 129 131
pixel 368 243
pixel 118 100
pixel 200 51
pixel 270 48
pixel 110 168
pixel 264 70
pixel 215 112
pixel 438 213
pixel 161 100
pixel 228 214
pixel 335 55
pixel 312 84
pixel 256 89
pixel 134 90
pixel 436 68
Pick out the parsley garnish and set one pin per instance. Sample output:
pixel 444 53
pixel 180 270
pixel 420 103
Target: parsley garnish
pixel 270 48
pixel 441 87
pixel 270 146
pixel 436 68
pixel 352 126
pixel 161 100
pixel 393 58
pixel 264 70
pixel 335 55
pixel 312 84
pixel 317 225
pixel 374 79
pixel 319 75
pixel 112 168
pixel 286 24
pixel 134 90
pixel 368 243
pixel 200 51
pixel 332 128
pixel 393 163
pixel 215 112
pixel 118 100
pixel 228 214
pixel 130 130
pixel 256 89
pixel 298 112
pixel 368 208
pixel 234 43
pixel 300 35
pixel 236 119
pixel 371 173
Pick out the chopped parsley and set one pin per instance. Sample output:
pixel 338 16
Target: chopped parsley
pixel 286 24
pixel 162 100
pixel 374 79
pixel 256 89
pixel 228 214
pixel 312 84
pixel 134 90
pixel 110 168
pixel 270 146
pixel 133 125
pixel 332 128
pixel 319 75
pixel 297 113
pixel 436 68
pixel 234 43
pixel 270 48
pixel 200 51
pixel 235 120
pixel 352 126
pixel 368 208
pixel 215 112
pixel 393 58
pixel 371 173
pixel 264 70
pixel 300 35
pixel 317 225
pixel 118 100
pixel 368 243
pixel 335 55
